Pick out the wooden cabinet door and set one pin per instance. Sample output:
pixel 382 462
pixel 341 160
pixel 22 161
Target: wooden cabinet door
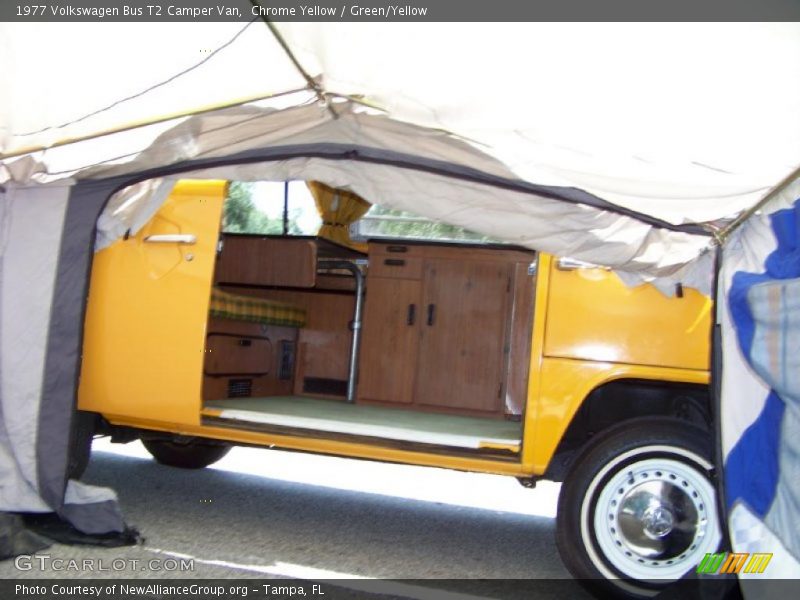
pixel 463 326
pixel 231 354
pixel 390 342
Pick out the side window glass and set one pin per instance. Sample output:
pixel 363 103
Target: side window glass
pixel 270 208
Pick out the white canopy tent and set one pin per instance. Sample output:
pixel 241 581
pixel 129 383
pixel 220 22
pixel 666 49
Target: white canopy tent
pixel 688 122
pixel 606 142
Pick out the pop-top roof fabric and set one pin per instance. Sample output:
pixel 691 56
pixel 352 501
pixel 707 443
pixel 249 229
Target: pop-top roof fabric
pixel 684 121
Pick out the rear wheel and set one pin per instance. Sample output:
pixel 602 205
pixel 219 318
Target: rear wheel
pixel 639 508
pixel 191 453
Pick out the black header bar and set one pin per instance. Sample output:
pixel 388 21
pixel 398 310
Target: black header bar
pixel 414 11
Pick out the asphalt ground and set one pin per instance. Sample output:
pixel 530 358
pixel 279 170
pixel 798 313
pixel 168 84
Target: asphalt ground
pixel 271 514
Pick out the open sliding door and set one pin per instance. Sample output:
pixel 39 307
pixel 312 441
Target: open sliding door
pixel 149 297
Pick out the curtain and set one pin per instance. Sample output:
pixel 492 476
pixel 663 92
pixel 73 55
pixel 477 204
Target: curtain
pixel 338 209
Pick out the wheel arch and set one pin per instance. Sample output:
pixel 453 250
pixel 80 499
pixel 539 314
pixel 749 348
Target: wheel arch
pixel 624 399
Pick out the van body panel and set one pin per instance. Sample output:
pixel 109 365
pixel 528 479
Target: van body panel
pixel 145 329
pixel 565 384
pixel 592 315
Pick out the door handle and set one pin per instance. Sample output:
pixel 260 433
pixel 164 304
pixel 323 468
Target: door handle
pixel 431 314
pixel 171 238
pixel 412 314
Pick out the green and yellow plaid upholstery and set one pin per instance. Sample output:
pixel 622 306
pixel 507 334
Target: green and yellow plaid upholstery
pixel 248 308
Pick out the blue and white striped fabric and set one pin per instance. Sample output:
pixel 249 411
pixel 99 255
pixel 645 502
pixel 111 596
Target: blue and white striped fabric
pixel 760 420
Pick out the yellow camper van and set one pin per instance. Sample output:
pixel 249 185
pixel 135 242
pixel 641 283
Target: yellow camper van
pixel 471 356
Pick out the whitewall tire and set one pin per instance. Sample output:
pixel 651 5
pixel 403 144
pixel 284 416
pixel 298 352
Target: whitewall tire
pixel 639 509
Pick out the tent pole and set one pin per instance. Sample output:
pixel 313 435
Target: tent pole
pixel 723 235
pixel 285 208
pixel 138 124
pixel 312 83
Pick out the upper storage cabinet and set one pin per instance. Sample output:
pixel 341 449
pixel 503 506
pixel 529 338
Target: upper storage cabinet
pixel 264 261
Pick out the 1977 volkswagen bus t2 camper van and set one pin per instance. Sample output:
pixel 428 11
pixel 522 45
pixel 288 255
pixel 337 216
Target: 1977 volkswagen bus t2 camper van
pixel 478 357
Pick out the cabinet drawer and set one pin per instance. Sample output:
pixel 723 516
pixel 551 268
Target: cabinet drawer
pixel 398 250
pixel 397 267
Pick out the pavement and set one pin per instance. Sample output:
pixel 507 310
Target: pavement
pixel 272 514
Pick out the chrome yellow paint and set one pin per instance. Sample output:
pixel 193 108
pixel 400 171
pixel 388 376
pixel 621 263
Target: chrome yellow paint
pixel 542 289
pixel 498 446
pixel 329 447
pixel 592 315
pixel 589 329
pixel 565 383
pixel 144 335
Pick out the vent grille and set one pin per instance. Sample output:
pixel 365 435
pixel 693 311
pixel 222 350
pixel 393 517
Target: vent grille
pixel 240 388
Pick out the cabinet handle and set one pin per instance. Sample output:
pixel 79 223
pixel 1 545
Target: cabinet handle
pixel 412 314
pixel 394 262
pixel 397 248
pixel 431 314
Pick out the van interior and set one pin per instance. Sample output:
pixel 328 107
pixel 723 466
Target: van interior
pixel 391 339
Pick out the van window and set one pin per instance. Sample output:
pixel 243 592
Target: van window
pixel 382 222
pixel 271 208
pixel 287 208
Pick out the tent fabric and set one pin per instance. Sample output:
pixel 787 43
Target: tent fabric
pixel 45 264
pixel 760 412
pixel 40 110
pixel 16 538
pixel 398 166
pixel 690 131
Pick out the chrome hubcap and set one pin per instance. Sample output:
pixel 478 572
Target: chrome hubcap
pixel 657 520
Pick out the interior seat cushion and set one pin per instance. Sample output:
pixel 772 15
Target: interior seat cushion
pixel 259 310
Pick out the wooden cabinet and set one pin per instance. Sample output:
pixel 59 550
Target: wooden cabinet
pixel 390 340
pixel 462 334
pixel 267 261
pixel 437 327
pixel 243 358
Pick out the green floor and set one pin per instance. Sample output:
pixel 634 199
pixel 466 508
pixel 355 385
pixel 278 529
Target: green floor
pixel 333 415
